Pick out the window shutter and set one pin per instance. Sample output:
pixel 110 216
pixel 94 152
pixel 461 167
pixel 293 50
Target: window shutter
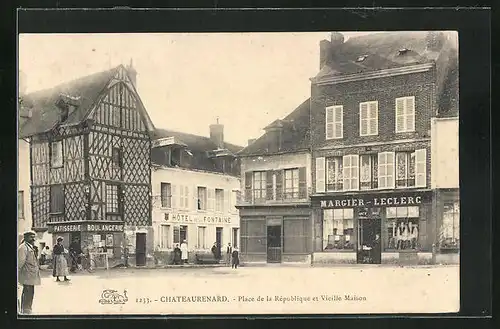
pixel 363 119
pixel 320 175
pixel 211 199
pixel 410 114
pixel 374 118
pixel 339 122
pixel 400 114
pixel 391 182
pixel 329 113
pixel 355 172
pixel 302 183
pixel 227 201
pixel 346 174
pixel 279 184
pixel 248 186
pixel 269 185
pixel 186 197
pixel 420 168
pixel 177 234
pixel 382 170
pixel 173 199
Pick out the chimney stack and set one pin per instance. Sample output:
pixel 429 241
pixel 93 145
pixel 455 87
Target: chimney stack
pixel 251 141
pixel 324 52
pixel 217 134
pixel 132 73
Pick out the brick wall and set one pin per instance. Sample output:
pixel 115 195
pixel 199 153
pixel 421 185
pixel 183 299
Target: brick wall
pixel 383 90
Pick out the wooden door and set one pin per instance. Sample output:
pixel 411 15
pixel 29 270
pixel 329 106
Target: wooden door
pixel 140 249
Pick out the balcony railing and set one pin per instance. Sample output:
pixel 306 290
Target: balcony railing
pixel 253 197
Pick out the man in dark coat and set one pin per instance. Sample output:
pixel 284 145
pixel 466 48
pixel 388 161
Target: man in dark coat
pixel 235 258
pixel 177 255
pixel 28 270
pixel 375 251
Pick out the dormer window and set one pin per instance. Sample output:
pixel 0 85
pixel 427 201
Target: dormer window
pixel 403 51
pixel 175 156
pixel 361 58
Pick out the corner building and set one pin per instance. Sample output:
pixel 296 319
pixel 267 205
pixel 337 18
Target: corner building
pixel 371 108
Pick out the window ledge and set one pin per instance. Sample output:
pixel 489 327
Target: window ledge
pixel 402 251
pixel 56 213
pixel 338 250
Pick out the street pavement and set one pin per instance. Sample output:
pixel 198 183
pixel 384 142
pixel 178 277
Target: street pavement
pixel 253 290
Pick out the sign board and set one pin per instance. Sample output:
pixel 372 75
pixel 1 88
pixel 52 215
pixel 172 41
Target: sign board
pixel 274 221
pixel 375 200
pixel 198 219
pixel 85 227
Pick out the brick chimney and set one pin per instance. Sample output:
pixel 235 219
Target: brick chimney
pixel 217 134
pixel 324 52
pixel 274 133
pixel 132 73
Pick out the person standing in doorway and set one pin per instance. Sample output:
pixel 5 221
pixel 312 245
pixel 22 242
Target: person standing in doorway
pixel 75 252
pixel 60 262
pixel 229 251
pixel 235 258
pixel 184 252
pixel 28 270
pixel 177 254
pixel 375 251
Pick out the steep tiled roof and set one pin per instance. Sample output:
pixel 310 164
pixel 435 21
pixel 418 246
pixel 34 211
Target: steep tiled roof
pixel 194 142
pixel 45 114
pixel 295 134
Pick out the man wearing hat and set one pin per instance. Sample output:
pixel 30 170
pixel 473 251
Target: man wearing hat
pixel 28 270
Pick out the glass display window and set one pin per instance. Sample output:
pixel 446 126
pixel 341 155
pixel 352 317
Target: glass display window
pixel 402 228
pixel 338 229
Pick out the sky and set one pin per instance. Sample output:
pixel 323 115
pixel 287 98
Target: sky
pixel 186 81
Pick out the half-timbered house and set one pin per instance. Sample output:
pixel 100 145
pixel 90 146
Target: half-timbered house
pixel 90 163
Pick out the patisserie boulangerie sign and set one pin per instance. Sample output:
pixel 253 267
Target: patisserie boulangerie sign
pixel 85 227
pixel 375 200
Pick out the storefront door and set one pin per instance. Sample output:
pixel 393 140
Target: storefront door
pixel 140 249
pixel 274 243
pixel 369 243
pixel 218 236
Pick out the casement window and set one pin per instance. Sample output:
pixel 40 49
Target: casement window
pixel 368 171
pixel 291 186
pixel 368 118
pixel 320 175
pixel 56 154
pixel 386 170
pixel 165 237
pixel 405 114
pixel 20 204
pixel 405 169
pixel 259 185
pixel 202 237
pixel 184 197
pixel 202 198
pixel 235 237
pixel 117 157
pixel 166 195
pixel 338 229
pixel 183 233
pixel 219 200
pixel 334 174
pixel 449 236
pixel 57 199
pixel 112 199
pixel 211 199
pixel 334 122
pixel 402 228
pixel 351 172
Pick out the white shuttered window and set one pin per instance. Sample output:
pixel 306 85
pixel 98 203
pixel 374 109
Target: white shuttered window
pixel 386 170
pixel 334 122
pixel 405 114
pixel 351 172
pixel 368 118
pixel 421 168
pixel 320 175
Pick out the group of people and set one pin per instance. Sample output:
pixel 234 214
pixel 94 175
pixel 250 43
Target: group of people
pixel 29 265
pixel 180 254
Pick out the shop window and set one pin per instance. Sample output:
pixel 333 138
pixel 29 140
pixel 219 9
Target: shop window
pixel 338 229
pixel 368 172
pixel 56 199
pixel 219 200
pixel 202 198
pixel 202 237
pixel 405 169
pixel 112 199
pixel 450 233
pixel 20 204
pixel 291 184
pixel 402 228
pixel 259 186
pixel 102 243
pixel 56 154
pixel 253 236
pixel 295 237
pixel 166 195
pixel 334 174
pixel 235 237
pixel 165 237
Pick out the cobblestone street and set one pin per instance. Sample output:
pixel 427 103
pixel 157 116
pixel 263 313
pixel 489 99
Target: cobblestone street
pixel 255 290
